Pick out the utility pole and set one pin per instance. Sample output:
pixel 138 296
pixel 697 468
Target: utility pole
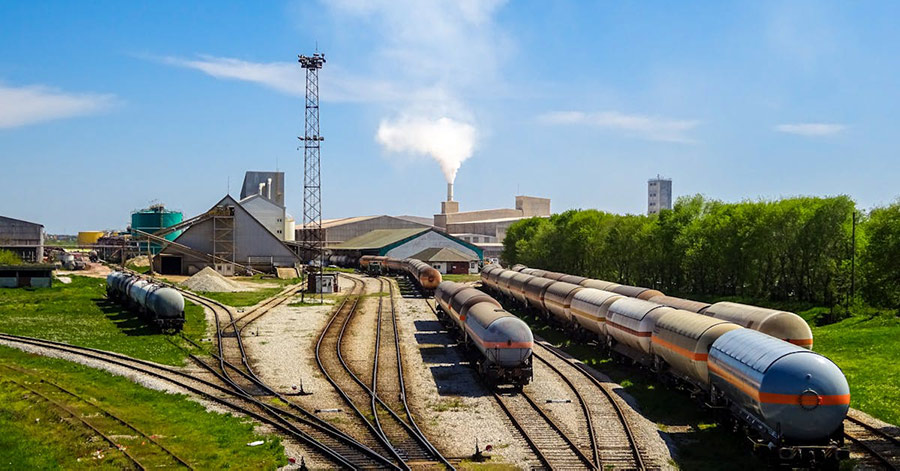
pixel 853 259
pixel 312 175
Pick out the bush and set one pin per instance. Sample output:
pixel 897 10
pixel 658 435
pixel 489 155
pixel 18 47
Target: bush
pixel 9 258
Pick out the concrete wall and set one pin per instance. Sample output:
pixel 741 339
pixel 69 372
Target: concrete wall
pixel 25 239
pixel 429 240
pixel 532 206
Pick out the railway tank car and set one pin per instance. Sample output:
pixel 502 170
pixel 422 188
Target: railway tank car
pixel 427 277
pixel 794 400
pixel 589 308
pixel 503 341
pixel 629 326
pixel 162 305
pixel 782 325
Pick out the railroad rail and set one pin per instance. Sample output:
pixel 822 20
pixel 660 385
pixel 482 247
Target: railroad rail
pixel 343 452
pixel 617 441
pixel 884 448
pixel 158 453
pixel 401 431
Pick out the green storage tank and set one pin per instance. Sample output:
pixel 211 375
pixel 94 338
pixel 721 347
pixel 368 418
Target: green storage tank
pixel 152 219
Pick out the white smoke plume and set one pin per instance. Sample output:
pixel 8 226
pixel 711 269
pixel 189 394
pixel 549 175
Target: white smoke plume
pixel 447 141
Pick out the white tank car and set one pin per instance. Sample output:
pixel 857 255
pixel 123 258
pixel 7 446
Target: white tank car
pixel 782 325
pixel 589 309
pixel 164 306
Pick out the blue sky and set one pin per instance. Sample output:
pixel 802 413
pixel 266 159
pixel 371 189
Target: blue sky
pixel 106 106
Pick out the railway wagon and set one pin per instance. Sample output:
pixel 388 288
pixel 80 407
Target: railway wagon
pixel 558 299
pixel 681 341
pixel 517 287
pixel 503 279
pixel 503 341
pixel 160 304
pixel 425 275
pixel 681 303
pixel 782 325
pixel 636 292
pixel 535 289
pixel 792 400
pixel 629 325
pixel 589 309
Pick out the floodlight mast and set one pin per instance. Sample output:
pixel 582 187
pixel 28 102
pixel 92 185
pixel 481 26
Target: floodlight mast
pixel 313 238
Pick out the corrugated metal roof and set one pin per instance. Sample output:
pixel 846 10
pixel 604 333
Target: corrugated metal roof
pixel 441 254
pixel 380 238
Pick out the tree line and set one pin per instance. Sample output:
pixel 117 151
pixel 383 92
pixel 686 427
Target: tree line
pixel 790 249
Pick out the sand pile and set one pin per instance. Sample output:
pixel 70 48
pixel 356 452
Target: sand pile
pixel 208 279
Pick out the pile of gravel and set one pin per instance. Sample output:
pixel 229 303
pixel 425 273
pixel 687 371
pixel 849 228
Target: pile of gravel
pixel 208 279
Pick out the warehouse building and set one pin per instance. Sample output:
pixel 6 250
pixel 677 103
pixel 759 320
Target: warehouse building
pixel 25 239
pixel 274 217
pixel 487 228
pixel 338 231
pixel 446 260
pixel 408 243
pixel 225 238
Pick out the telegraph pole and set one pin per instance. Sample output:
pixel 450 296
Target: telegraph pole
pixel 312 175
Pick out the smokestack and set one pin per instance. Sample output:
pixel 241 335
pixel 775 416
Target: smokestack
pixel 269 188
pixel 450 192
pixel 261 186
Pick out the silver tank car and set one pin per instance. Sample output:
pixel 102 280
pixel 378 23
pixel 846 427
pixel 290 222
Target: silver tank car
pixel 681 340
pixel 680 303
pixel 163 305
pixel 505 343
pixel 629 326
pixel 783 391
pixel 782 325
pixel 503 279
pixel 517 287
pixel 589 309
pixel 535 289
pixel 558 299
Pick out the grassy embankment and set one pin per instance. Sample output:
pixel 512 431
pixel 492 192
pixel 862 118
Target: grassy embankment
pixel 40 435
pixel 461 278
pixel 79 313
pixel 249 298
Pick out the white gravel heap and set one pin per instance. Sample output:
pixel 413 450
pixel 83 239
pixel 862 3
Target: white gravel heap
pixel 208 279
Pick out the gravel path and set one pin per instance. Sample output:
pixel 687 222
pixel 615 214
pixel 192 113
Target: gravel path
pixel 445 395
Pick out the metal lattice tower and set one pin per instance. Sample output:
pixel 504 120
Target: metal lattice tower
pixel 313 242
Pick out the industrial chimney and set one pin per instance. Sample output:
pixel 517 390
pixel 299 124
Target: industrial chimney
pixel 450 192
pixel 449 206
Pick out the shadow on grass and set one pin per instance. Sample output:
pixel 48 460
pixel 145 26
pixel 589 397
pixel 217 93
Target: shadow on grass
pixel 130 322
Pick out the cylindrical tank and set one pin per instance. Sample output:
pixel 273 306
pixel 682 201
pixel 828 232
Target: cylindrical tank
pixel 636 292
pixel 535 289
pixel 89 237
pixel 682 340
pixel 502 338
pixel 630 322
pixel 152 219
pixel 574 279
pixel 782 325
pixel 517 286
pixel 797 393
pixel 680 303
pixel 503 280
pixel 464 299
pixel 558 298
pixel 599 284
pixel 589 308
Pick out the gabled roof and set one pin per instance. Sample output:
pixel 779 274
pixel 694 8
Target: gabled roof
pixel 260 198
pixel 441 254
pixel 20 221
pixel 380 238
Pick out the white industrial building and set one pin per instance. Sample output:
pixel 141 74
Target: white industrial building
pixel 659 194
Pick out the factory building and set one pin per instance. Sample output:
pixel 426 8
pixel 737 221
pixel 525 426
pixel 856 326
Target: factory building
pixel 338 231
pixel 659 194
pixel 487 228
pixel 446 260
pixel 233 235
pixel 268 184
pixel 25 239
pixel 408 243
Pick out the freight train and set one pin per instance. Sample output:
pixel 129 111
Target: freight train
pixel 755 364
pixel 502 341
pixel 426 276
pixel 162 305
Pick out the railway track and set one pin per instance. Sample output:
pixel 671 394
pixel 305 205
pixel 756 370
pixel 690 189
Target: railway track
pixel 330 444
pixel 883 448
pixel 389 406
pixel 615 444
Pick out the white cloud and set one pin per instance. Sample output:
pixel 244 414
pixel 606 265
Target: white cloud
pixel 21 106
pixel 634 125
pixel 811 129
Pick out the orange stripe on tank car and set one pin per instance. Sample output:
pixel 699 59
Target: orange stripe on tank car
pixel 735 381
pixel 680 350
pixel 586 316
pixel 801 399
pixel 630 331
pixel 801 342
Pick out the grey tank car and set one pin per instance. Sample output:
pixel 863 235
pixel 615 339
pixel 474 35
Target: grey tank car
pixel 162 305
pixel 503 341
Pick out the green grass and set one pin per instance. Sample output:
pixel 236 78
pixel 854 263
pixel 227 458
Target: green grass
pixel 339 270
pixel 242 298
pixel 701 442
pixel 35 437
pixel 461 278
pixel 267 279
pixel 79 313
